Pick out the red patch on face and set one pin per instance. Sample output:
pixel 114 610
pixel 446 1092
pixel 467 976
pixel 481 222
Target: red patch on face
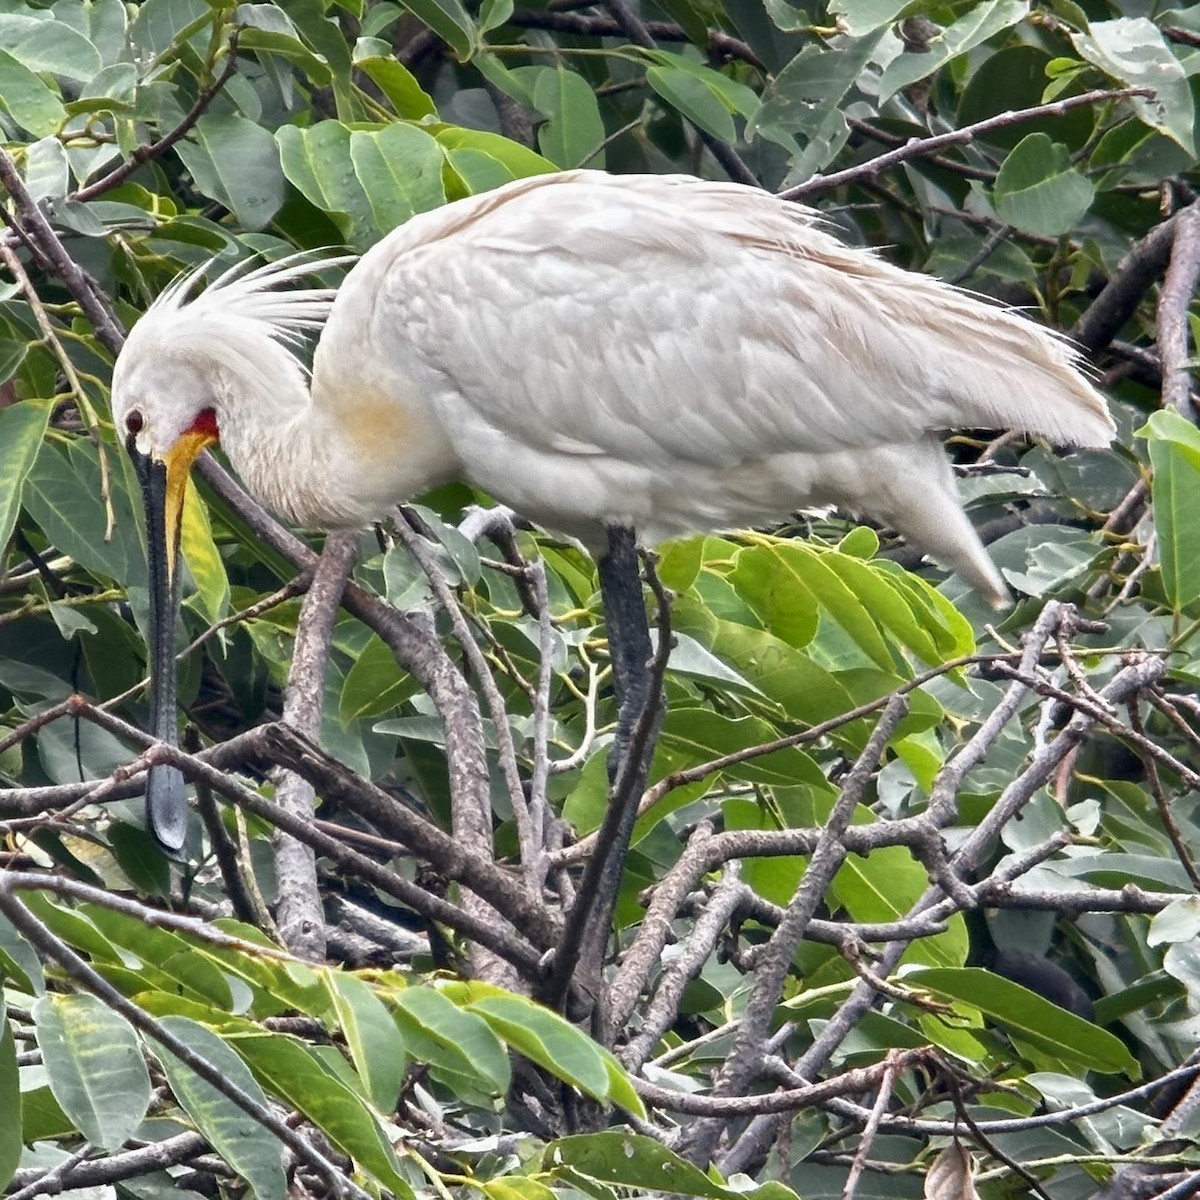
pixel 206 423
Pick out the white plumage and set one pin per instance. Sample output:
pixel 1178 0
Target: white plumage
pixel 651 351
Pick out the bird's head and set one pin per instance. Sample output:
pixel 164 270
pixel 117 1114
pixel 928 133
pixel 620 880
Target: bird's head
pixel 182 371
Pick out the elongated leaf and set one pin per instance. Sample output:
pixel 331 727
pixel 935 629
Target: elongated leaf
pixel 22 428
pixel 451 1039
pixel 1028 1015
pixel 546 1039
pixel 1175 455
pixel 376 1046
pixel 236 162
pixel 693 98
pixel 574 128
pixel 167 958
pixel 10 1102
pixel 19 961
pixel 449 20
pixel 250 1149
pixel 631 1160
pixel 95 1066
pixel 373 56
pixel 295 1072
pixel 203 559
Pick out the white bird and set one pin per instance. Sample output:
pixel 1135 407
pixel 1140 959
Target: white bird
pixel 654 352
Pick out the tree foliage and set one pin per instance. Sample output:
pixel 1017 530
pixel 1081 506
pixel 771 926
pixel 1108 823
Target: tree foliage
pixel 875 811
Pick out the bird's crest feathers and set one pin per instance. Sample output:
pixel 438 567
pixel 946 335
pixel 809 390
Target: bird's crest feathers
pixel 257 296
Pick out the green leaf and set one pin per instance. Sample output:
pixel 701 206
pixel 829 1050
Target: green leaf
pixel 1174 444
pixel 574 128
pixel 374 684
pixel 634 1161
pixel 1038 190
pixel 162 24
pixel 47 175
pixel 235 161
pixel 546 1039
pixel 400 170
pixel 1134 51
pixel 376 1047
pixel 980 22
pixel 515 161
pixel 19 962
pixel 374 57
pixel 167 958
pixel 42 1116
pixel 54 48
pixel 27 99
pixel 295 1072
pixel 458 1043
pixel 250 1149
pixel 317 161
pixel 203 559
pixel 1027 1015
pixel 95 1066
pixel 694 99
pixel 286 46
pixel 22 427
pixel 450 21
pixel 804 99
pixel 10 1102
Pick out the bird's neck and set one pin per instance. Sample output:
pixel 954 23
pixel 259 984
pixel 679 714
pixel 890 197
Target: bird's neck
pixel 338 456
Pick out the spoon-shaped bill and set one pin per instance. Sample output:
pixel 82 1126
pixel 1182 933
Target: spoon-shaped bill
pixel 162 497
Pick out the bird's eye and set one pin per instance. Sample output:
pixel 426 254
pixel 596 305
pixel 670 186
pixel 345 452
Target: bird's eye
pixel 134 423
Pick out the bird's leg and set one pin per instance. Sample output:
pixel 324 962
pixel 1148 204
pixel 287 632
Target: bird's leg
pixel 637 675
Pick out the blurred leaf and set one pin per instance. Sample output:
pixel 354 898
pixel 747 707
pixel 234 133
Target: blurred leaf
pixel 1174 445
pixel 22 428
pixel 376 1047
pixel 95 1067
pixel 980 22
pixel 27 99
pixel 252 1151
pixel 10 1100
pixel 1134 51
pixel 1028 1015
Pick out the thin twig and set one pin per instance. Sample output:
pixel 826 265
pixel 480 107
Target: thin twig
pixel 919 147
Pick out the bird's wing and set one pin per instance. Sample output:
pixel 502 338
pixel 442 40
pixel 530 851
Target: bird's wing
pixel 658 319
